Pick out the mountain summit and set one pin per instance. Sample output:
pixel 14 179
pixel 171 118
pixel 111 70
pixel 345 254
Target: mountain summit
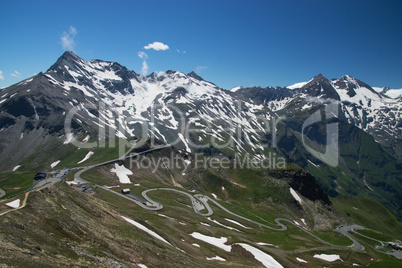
pixel 320 87
pixel 68 59
pixel 194 75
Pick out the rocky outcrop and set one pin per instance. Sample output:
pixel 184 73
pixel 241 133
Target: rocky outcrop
pixel 304 183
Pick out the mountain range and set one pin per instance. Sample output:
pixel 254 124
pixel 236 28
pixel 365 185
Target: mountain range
pixel 102 101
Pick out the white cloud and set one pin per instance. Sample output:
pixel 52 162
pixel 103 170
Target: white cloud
pixel 184 52
pixel 67 39
pixel 142 55
pixel 1 75
pixel 200 68
pixel 144 69
pixel 73 31
pixel 157 46
pixel 16 74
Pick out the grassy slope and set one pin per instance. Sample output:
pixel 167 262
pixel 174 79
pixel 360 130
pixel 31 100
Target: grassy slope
pixel 246 192
pixel 248 201
pixel 16 182
pixel 361 158
pixel 70 155
pixel 369 213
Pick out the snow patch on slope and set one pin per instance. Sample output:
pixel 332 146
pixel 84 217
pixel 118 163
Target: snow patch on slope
pixel 301 260
pixel 261 256
pixel 220 224
pixel 16 167
pixel 295 195
pixel 237 223
pixel 216 258
pixel 122 172
pixel 217 242
pixel 14 204
pixel 52 165
pixel 88 155
pixel 145 229
pixel 328 257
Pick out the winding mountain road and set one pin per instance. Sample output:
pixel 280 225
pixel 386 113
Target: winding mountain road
pixel 77 176
pixel 277 220
pixel 351 228
pixel 200 202
pixel 204 200
pixel 152 206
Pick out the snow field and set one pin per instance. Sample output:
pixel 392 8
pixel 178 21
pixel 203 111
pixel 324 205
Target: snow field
pixel 259 255
pixel 87 156
pixel 328 257
pixel 145 229
pixel 14 204
pixel 122 173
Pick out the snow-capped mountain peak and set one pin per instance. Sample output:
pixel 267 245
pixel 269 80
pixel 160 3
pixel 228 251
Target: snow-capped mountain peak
pixel 320 87
pixel 389 92
pixel 74 82
pixel 101 100
pixel 297 85
pixel 235 89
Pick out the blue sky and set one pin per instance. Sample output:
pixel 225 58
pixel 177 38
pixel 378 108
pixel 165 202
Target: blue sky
pixel 230 43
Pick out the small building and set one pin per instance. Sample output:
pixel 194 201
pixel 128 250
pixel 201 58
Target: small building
pixel 125 191
pixel 40 176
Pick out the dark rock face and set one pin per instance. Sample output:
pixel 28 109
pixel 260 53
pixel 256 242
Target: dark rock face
pixel 6 122
pixel 19 107
pixel 196 76
pixel 263 95
pixel 304 183
pixel 320 87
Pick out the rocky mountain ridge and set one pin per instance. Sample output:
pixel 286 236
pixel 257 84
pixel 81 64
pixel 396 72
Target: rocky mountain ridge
pixel 98 100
